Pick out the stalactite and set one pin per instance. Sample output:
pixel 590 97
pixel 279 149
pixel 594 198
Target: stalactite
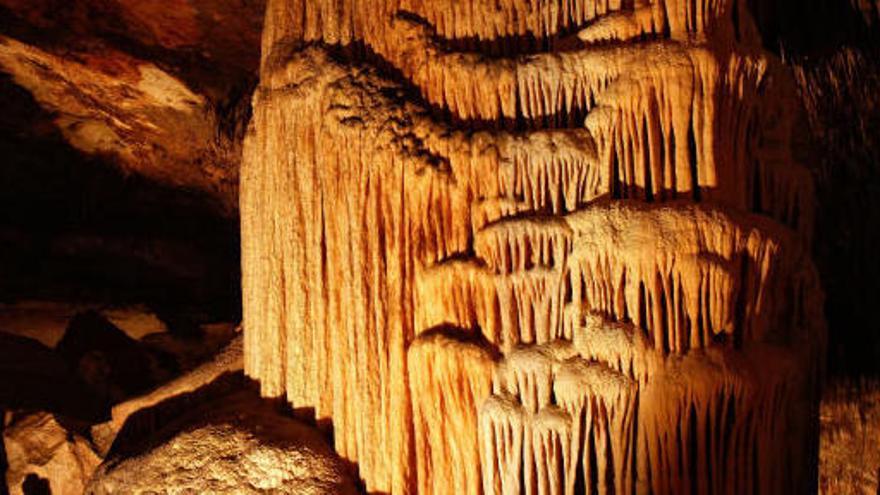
pixel 688 277
pixel 621 346
pixel 501 445
pixel 344 21
pixel 539 247
pixel 679 273
pixel 726 429
pixel 562 420
pixel 574 420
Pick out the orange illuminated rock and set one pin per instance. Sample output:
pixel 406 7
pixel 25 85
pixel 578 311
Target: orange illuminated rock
pixel 41 450
pixel 234 444
pixel 564 241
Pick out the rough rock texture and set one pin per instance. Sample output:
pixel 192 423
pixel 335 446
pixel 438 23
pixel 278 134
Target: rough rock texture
pixel 40 448
pixel 57 448
pixel 132 110
pixel 234 445
pixel 849 460
pixel 592 206
pixel 206 431
pixel 154 87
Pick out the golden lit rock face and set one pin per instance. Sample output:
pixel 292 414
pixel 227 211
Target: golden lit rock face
pixel 232 444
pixel 541 248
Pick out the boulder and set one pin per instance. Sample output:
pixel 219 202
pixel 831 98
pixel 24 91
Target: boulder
pixel 36 378
pixel 238 443
pixel 112 363
pixel 45 456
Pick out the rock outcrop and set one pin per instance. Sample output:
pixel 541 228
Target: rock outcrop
pixel 566 241
pixel 236 444
pixel 206 431
pixel 44 452
pixel 60 447
pixel 36 378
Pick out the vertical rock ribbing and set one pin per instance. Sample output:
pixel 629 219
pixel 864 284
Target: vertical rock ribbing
pixel 549 248
pixel 449 378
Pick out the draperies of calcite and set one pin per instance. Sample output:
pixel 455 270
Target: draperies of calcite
pixel 611 415
pixel 554 267
pixel 449 378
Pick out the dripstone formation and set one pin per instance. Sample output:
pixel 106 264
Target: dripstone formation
pixel 534 246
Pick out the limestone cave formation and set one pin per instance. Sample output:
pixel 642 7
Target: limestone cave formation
pixel 405 247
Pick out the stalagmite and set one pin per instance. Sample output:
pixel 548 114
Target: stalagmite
pixel 540 247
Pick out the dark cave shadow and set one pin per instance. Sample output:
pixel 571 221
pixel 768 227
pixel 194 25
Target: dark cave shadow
pixel 76 227
pixel 151 426
pixel 35 485
pixel 4 465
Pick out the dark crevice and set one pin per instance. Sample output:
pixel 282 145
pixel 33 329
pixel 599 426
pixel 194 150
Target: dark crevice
pixel 664 327
pixel 729 423
pixel 692 445
pixel 693 160
pixel 580 484
pixel 735 19
pixel 685 341
pixel 709 452
pixel 609 463
pixel 646 156
pixel 616 190
pixel 35 485
pixel 757 207
pixel 593 461
pixel 643 303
